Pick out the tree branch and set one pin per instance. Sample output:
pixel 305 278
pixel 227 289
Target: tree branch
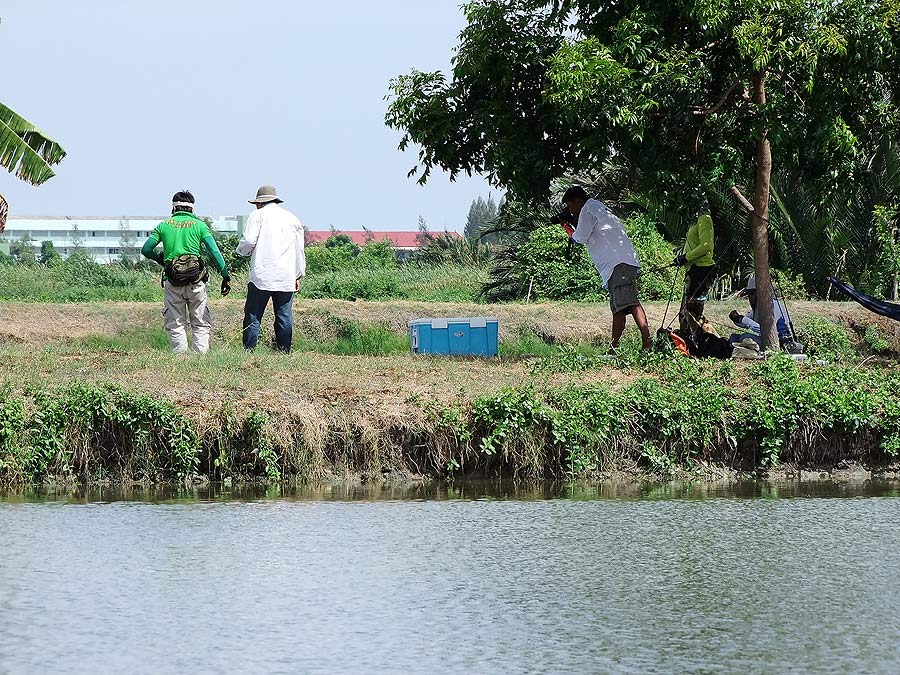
pixel 744 202
pixel 721 102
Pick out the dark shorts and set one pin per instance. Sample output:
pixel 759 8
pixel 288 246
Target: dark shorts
pixel 698 282
pixel 623 290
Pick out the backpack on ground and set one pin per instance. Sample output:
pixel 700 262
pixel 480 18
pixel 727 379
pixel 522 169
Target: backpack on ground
pixel 703 345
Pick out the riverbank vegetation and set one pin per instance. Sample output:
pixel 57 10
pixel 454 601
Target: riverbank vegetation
pixel 109 403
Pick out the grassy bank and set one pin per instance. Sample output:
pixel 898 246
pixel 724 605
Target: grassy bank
pixel 661 419
pixel 91 393
pixel 83 281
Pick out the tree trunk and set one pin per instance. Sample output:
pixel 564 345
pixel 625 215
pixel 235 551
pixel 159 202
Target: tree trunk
pixel 896 281
pixel 759 220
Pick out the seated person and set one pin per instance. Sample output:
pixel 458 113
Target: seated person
pixel 751 321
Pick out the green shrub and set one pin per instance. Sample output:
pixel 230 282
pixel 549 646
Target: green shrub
pixel 682 412
pixel 377 255
pixel 340 254
pixel 876 341
pixel 824 339
pixel 790 287
pixel 542 258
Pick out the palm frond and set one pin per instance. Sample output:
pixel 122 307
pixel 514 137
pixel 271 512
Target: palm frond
pixel 4 212
pixel 26 150
pixel 455 250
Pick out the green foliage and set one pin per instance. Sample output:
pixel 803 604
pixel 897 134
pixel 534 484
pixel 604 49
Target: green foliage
pixel 370 340
pixel 320 260
pixel 482 214
pixel 877 342
pixel 78 278
pixel 526 344
pixel 789 287
pixel 362 284
pixel 543 258
pixel 585 423
pixel 261 445
pixel 681 413
pixel 49 255
pixel 339 254
pixel 26 150
pixel 377 255
pixel 72 432
pixel 824 339
pixel 22 251
pixel 539 262
pixel 509 414
pixel 227 244
pixel 443 283
pixel 676 103
pixel 450 250
pixel 849 230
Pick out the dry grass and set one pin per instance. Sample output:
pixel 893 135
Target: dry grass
pixel 45 343
pixel 564 322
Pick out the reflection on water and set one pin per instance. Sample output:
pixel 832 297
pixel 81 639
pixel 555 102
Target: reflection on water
pixel 464 490
pixel 454 578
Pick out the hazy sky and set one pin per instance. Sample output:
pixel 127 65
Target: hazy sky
pixel 220 96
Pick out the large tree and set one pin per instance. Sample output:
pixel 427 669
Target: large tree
pixel 682 91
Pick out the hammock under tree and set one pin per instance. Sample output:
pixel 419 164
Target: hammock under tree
pixel 891 310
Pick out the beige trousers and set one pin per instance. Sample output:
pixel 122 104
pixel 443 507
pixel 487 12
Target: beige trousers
pixel 183 306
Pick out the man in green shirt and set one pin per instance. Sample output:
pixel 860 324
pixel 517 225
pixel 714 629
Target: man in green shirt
pixel 186 302
pixel 701 270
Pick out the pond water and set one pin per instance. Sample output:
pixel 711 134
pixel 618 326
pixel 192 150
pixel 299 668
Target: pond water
pixel 479 578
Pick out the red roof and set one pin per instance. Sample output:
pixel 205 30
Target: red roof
pixel 404 239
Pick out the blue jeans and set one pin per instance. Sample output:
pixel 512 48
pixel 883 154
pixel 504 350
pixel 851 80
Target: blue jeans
pixel 254 309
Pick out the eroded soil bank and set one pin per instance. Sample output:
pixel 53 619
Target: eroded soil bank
pixel 92 398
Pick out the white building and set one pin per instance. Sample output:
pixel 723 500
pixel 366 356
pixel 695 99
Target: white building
pixel 104 238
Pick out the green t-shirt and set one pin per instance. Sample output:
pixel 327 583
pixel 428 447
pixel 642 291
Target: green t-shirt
pixel 698 249
pixel 181 234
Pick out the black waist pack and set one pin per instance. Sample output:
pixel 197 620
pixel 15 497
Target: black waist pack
pixel 186 270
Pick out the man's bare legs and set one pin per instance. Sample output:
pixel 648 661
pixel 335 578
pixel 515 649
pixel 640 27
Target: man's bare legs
pixel 640 318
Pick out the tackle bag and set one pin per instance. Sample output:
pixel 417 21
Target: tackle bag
pixel 186 270
pixel 703 345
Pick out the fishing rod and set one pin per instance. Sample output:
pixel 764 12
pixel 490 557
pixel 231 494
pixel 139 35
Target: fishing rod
pixel 657 270
pixel 669 303
pixel 787 312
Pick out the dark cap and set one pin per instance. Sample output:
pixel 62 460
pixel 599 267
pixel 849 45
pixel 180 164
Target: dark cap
pixel 575 192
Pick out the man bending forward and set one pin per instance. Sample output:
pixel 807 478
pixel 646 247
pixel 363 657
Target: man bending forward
pixel 614 257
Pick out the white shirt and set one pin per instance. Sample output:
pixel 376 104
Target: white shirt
pixel 273 237
pixel 604 235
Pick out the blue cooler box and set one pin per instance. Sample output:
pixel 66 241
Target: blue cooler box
pixel 474 336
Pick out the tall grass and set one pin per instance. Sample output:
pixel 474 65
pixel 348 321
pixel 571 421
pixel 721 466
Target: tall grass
pixel 441 283
pixel 78 281
pixel 87 281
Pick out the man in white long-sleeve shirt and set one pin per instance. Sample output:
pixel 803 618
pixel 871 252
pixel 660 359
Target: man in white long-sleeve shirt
pixel 273 238
pixel 614 257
